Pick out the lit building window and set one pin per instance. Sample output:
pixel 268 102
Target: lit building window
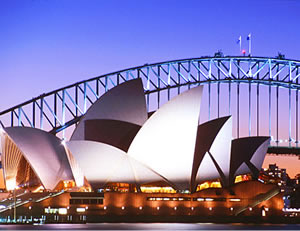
pixel 168 198
pixel 241 178
pixel 80 210
pixel 157 189
pixel 62 211
pixel 51 210
pixel 11 184
pixel 209 184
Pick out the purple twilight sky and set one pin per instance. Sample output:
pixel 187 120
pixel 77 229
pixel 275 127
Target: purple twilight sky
pixel 45 45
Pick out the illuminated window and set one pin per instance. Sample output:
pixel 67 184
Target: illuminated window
pixel 154 189
pixel 80 210
pixel 11 184
pixel 168 198
pixel 62 211
pixel 209 184
pixel 51 210
pixel 241 178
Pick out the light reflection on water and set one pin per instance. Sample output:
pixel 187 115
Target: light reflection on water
pixel 152 226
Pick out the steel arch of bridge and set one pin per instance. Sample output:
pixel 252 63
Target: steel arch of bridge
pixel 57 110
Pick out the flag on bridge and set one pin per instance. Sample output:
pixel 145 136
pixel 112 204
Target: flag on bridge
pixel 249 37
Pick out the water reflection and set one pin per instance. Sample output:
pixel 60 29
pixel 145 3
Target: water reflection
pixel 153 226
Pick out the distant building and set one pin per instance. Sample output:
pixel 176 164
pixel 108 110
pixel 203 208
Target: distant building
pixel 277 175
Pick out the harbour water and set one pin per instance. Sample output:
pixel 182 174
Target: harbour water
pixel 153 226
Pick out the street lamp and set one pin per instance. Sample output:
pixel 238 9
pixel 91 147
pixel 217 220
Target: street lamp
pixel 15 206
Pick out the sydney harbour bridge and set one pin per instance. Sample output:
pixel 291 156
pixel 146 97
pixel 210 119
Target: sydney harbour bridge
pixel 261 94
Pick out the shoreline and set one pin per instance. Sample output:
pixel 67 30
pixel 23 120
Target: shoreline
pixel 176 219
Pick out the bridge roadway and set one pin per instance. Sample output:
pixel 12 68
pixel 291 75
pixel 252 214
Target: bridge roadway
pixel 274 150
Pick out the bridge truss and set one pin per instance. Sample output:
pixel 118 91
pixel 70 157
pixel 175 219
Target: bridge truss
pixel 262 95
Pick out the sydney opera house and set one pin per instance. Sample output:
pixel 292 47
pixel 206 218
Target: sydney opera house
pixel 122 162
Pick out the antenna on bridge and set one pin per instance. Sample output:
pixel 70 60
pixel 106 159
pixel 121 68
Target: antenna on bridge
pixel 219 54
pixel 280 56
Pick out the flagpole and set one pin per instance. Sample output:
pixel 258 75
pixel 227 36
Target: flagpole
pixel 240 44
pixel 249 39
pixel 250 46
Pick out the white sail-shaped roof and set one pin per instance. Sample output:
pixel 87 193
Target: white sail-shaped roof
pixel 215 142
pixel 247 155
pixel 258 157
pixel 166 142
pixel 102 163
pixel 243 169
pixel 125 102
pixel 207 170
pixel 44 152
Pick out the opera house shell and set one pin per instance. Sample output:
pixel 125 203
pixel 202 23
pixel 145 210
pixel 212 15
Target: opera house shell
pixel 118 142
